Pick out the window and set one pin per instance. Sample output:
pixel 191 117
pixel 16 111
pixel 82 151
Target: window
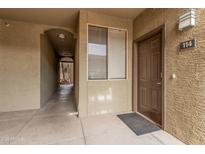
pixel 116 54
pixel 97 53
pixel 106 53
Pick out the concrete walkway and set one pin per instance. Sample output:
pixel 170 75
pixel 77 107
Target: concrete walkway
pixel 56 123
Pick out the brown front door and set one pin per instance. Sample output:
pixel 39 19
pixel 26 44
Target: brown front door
pixel 150 78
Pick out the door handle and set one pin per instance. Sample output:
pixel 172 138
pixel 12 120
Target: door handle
pixel 159 83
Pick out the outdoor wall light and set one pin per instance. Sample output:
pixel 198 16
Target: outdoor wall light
pixel 187 20
pixel 61 35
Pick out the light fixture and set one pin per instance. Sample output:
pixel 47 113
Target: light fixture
pixel 61 36
pixel 187 20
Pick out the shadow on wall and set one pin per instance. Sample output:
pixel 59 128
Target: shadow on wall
pixel 49 69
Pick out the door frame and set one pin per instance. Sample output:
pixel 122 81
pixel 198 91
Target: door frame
pixel 135 75
pixel 73 69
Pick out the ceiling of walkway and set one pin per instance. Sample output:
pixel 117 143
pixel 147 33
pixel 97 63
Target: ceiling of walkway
pixel 66 17
pixel 62 41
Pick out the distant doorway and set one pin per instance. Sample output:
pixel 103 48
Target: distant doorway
pixel 66 72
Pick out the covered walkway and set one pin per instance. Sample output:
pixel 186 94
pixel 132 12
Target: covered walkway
pixel 57 123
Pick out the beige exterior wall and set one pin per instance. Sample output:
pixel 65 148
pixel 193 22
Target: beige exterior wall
pixel 20 65
pixel 49 69
pixel 185 96
pixel 76 66
pixel 120 91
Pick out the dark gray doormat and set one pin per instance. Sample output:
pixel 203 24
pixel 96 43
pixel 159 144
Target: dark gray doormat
pixel 138 124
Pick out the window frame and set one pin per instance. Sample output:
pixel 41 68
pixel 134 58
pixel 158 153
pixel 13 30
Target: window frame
pixel 106 55
pixel 126 53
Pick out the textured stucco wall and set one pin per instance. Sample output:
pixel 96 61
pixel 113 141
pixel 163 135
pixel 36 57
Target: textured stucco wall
pixel 185 96
pixel 49 69
pixel 20 65
pixel 120 90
